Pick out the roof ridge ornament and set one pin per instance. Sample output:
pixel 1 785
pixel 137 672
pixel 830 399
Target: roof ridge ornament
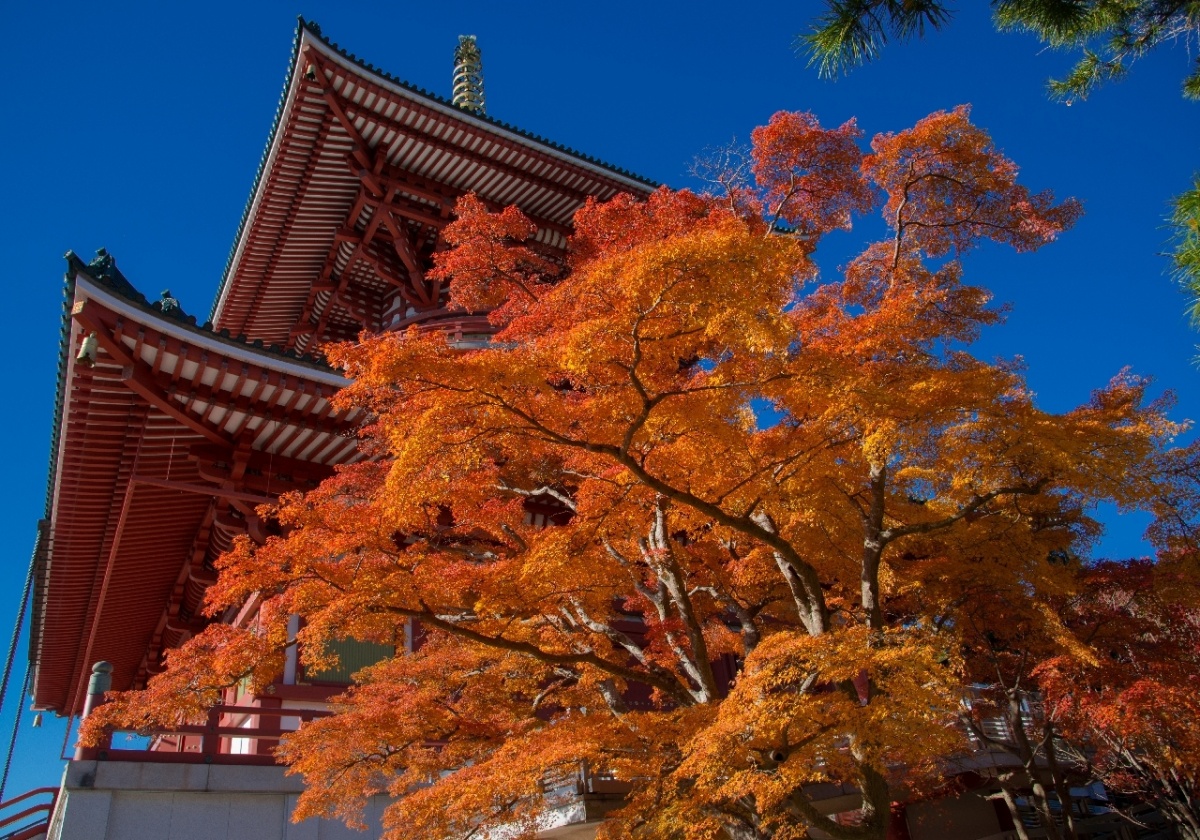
pixel 103 263
pixel 169 305
pixel 468 76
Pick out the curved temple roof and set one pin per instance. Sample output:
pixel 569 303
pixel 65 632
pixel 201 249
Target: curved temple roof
pixel 168 437
pixel 361 173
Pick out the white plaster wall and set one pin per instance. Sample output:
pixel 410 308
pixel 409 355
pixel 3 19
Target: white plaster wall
pixel 145 801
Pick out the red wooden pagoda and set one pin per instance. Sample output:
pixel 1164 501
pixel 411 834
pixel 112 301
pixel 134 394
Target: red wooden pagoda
pixel 169 433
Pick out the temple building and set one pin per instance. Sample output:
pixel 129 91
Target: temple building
pixel 170 432
pixel 171 429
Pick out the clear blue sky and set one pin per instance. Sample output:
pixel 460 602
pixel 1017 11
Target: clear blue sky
pixel 139 129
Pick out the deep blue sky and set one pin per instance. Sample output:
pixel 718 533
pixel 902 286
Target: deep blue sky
pixel 140 128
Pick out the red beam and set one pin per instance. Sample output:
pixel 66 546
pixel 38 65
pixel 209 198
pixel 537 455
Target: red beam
pixel 138 379
pixel 203 489
pixel 99 603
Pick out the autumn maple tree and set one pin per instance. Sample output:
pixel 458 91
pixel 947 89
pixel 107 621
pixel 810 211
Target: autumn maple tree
pixel 701 519
pixel 1131 707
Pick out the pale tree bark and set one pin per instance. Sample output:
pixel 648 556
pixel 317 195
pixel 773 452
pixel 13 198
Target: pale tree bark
pixel 1174 795
pixel 873 545
pixel 876 808
pixel 1006 794
pixel 1038 786
pixel 802 582
pixel 1062 785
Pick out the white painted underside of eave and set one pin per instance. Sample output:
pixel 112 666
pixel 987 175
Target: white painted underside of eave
pixel 87 289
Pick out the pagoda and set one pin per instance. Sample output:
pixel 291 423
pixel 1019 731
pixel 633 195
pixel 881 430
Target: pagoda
pixel 170 431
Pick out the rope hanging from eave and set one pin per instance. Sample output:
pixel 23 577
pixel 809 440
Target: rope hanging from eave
pixel 12 737
pixel 8 664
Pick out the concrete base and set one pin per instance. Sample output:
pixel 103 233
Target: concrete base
pixel 109 800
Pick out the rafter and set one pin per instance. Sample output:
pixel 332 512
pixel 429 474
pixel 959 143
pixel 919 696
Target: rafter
pixel 296 200
pixel 445 196
pixel 340 107
pixel 195 557
pixel 138 376
pixel 395 199
pixel 269 410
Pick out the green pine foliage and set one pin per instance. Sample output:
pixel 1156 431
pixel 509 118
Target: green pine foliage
pixel 1110 34
pixel 852 32
pixel 1185 221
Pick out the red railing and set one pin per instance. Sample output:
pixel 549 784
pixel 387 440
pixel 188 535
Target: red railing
pixel 213 742
pixel 41 811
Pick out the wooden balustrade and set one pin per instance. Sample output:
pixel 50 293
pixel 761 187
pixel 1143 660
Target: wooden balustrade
pixel 212 742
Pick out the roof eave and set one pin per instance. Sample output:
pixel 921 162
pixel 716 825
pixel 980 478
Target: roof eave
pixel 102 280
pixel 309 34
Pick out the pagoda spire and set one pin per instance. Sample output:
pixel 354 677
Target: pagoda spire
pixel 468 75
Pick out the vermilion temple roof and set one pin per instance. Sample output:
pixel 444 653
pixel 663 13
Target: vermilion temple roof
pixel 360 175
pixel 168 436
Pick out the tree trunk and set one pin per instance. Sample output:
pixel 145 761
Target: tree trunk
pixel 1062 785
pixel 876 807
pixel 1181 810
pixel 803 583
pixel 1037 784
pixel 873 548
pixel 1014 812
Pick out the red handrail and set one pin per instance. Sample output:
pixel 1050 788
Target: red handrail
pixel 38 829
pixel 35 828
pixel 212 732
